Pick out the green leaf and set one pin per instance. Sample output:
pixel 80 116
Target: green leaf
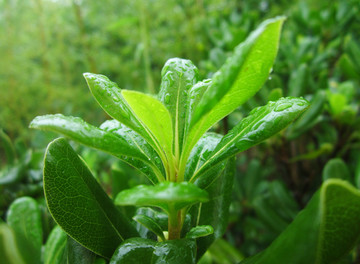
pixel 309 118
pixel 177 77
pixel 262 123
pixel 216 211
pixel 80 131
pixel 6 143
pixel 110 98
pixel 152 168
pixel 145 251
pixel 55 246
pixel 239 79
pixel 150 224
pixel 154 115
pixel 24 217
pixel 13 249
pixel 336 169
pixel 200 231
pixel 326 230
pixel 77 254
pixel 169 196
pixel 79 204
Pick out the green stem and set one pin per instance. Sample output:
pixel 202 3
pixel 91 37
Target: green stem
pixel 174 225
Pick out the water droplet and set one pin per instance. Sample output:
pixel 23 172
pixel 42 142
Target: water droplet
pixel 283 107
pixel 301 103
pixel 167 98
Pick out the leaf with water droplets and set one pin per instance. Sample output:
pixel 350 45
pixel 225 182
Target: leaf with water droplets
pixel 105 139
pixel 109 96
pixel 177 77
pixel 239 79
pixel 262 123
pixel 152 168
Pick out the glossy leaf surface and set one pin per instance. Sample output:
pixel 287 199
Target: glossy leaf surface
pixel 326 229
pixel 200 231
pixel 154 115
pixel 168 196
pixel 177 77
pixel 152 167
pixel 78 203
pixel 24 216
pixel 140 250
pixel 82 132
pixel 262 123
pixel 239 79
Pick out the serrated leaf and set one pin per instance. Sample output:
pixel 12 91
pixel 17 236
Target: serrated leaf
pixel 240 78
pixel 169 196
pixel 200 231
pixel 146 251
pixel 55 246
pixel 262 123
pixel 150 224
pixel 177 77
pixel 78 203
pixel 24 217
pixel 327 229
pixel 156 118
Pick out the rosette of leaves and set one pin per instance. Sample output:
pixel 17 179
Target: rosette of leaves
pixel 166 137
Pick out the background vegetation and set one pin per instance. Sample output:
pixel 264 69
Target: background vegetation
pixel 46 45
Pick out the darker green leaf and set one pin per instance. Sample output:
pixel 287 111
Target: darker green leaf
pixel 78 203
pixel 327 229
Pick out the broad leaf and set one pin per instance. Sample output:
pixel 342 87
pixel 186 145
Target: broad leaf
pixel 55 246
pixel 14 249
pixel 80 131
pixel 177 77
pixel 169 196
pixel 239 79
pixel 201 152
pixel 326 230
pixel 145 251
pixel 200 231
pixel 155 170
pixel 150 224
pixel 154 115
pixel 109 97
pixel 78 203
pixel 262 123
pixel 24 216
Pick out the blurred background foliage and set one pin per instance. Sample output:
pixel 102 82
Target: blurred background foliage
pixel 46 45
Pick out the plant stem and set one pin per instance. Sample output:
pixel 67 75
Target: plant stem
pixel 174 225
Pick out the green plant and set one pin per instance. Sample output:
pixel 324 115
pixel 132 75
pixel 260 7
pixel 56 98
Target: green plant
pixel 190 170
